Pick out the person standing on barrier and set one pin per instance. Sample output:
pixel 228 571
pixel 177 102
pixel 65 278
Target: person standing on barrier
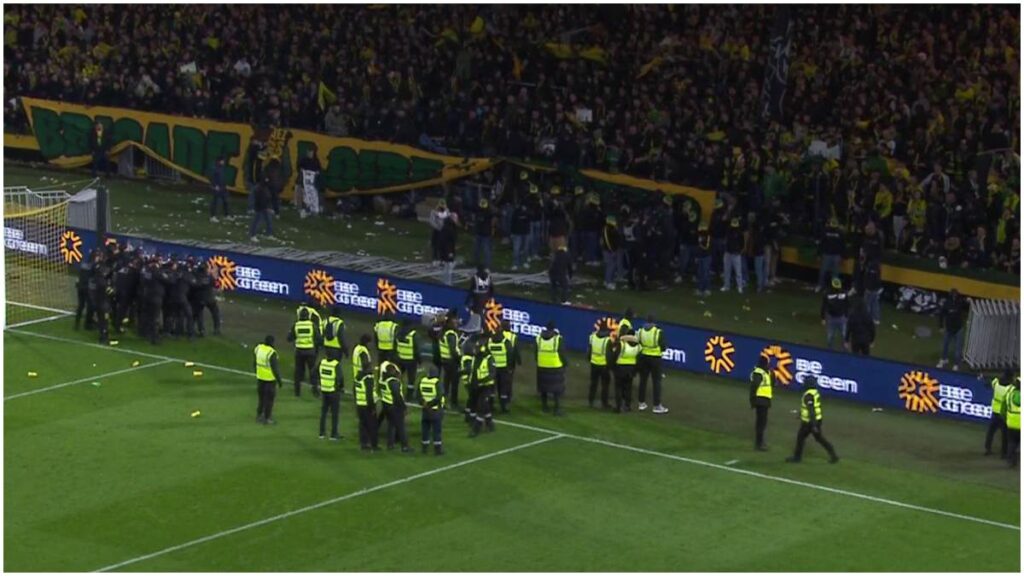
pixel 268 374
pixel 448 347
pixel 331 386
pixel 385 331
pixel 483 384
pixel 305 334
pixel 431 392
pixel 810 422
pixel 996 422
pixel 598 352
pixel 760 400
pixel 652 344
pixel 1011 414
pixel 551 364
pixel 407 349
pixel 626 351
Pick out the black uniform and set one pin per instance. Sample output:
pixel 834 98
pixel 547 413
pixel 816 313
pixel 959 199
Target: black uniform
pixel 202 296
pixel 330 393
pixel 99 299
pixel 153 290
pixel 82 290
pixel 180 307
pixel 126 292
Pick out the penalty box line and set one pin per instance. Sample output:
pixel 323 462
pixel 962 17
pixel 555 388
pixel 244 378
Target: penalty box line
pixel 325 503
pixel 731 469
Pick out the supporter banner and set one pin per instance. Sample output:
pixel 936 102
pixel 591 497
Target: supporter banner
pixel 873 381
pixel 191 145
pixel 776 72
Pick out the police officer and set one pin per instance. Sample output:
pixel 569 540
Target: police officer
pixel 996 423
pixel 810 422
pixel 126 291
pixel 153 289
pixel 385 331
pixel 499 348
pixel 268 373
pixel 394 406
pixel 305 334
pixel 652 342
pixel 407 347
pixel 365 394
pixel 626 351
pixel 466 362
pixel 203 297
pixel 598 351
pixel 1011 415
pixel 760 400
pixel 334 334
pixel 85 271
pixel 483 383
pixel 99 293
pixel 448 348
pixel 431 393
pixel 183 281
pixel 506 376
pixel 331 385
pixel 551 364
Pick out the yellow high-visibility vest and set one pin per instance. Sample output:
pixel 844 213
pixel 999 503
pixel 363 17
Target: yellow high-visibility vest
pixel 628 354
pixel 598 350
pixel 385 330
pixel 547 352
pixel 264 369
pixel 483 372
pixel 805 414
pixel 360 354
pixel 385 391
pixel 998 395
pixel 336 324
pixel 764 389
pixel 428 391
pixel 446 351
pixel 649 337
pixel 362 386
pixel 466 369
pixel 624 325
pixel 1013 408
pixel 499 352
pixel 328 374
pixel 304 335
pixel 407 346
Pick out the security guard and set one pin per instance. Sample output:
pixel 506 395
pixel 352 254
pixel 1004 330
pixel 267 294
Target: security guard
pixel 385 331
pixel 305 334
pixel 996 423
pixel 626 352
pixel 448 346
pixel 361 359
pixel 407 347
pixel 598 351
pixel 331 385
pixel 466 362
pixel 761 400
pixel 267 374
pixel 1011 414
pixel 810 422
pixel 431 392
pixel 499 347
pixel 652 343
pixel 551 364
pixel 334 335
pixel 514 359
pixel 483 383
pixel 626 324
pixel 310 309
pixel 384 369
pixel 365 402
pixel 394 406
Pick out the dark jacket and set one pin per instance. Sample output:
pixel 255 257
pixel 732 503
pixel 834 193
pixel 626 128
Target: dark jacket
pixel 953 313
pixel 261 197
pixel 561 267
pixel 860 327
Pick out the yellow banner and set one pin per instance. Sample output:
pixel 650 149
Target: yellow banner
pixel 705 198
pixel 192 145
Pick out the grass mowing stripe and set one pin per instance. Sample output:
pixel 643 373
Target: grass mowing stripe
pixel 83 380
pixel 325 503
pixel 762 476
pixel 750 473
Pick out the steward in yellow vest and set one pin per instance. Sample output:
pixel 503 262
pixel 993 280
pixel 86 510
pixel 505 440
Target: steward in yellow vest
pixel 431 393
pixel 483 384
pixel 448 347
pixel 363 390
pixel 361 359
pixel 652 344
pixel 267 374
pixel 551 363
pixel 625 324
pixel 761 400
pixel 506 375
pixel 392 399
pixel 810 422
pixel 626 350
pixel 599 350
pixel 385 331
pixel 996 423
pixel 334 335
pixel 407 348
pixel 331 386
pixel 305 334
pixel 499 347
pixel 1011 413
pixel 310 309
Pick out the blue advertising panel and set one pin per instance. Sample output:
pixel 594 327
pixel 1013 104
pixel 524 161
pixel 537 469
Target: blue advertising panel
pixel 874 381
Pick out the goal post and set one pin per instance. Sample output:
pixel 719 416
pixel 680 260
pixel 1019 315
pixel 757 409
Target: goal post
pixel 38 249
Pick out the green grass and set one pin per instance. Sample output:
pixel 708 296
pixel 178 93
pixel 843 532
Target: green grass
pixel 179 212
pixel 99 475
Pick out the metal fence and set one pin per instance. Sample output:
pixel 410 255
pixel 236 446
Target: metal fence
pixel 993 334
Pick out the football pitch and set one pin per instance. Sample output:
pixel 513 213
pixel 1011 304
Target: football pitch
pixel 107 469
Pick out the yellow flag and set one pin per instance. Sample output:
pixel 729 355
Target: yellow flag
pixel 324 96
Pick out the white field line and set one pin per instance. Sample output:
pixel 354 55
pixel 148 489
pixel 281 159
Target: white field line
pixel 694 461
pixel 37 321
pixel 83 380
pixel 325 503
pixel 37 307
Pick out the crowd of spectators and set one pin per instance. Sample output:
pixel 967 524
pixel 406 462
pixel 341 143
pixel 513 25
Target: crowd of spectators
pixel 904 116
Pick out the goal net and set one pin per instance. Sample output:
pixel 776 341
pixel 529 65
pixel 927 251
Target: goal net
pixel 38 249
